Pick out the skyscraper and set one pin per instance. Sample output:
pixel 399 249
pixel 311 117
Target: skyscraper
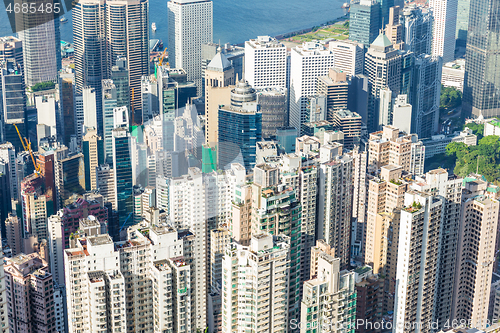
pixel 349 56
pixel 273 104
pixel 462 22
pixel 265 62
pixel 70 179
pixel 122 162
pixel 445 20
pixel 93 153
pixel 189 27
pixel 365 21
pixel 417 29
pixel 482 86
pixel 41 40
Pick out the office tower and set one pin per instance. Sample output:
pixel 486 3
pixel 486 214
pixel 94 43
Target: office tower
pixel 417 24
pixel 349 56
pixel 445 20
pixel 239 127
pixel 365 21
pixel 328 298
pixel 335 87
pixel 41 42
pixel 66 106
pixel 439 182
pixel 394 29
pixel 109 103
pixel 189 27
pixel 12 47
pixel 90 112
pixel 264 267
pixel 234 54
pixel 219 76
pixel 70 179
pixel 386 68
pixel 425 97
pixel 358 96
pixel 273 103
pixel 122 162
pixel 47 110
pixel 419 238
pixel 28 275
pixel 37 206
pixel 286 222
pixel 286 139
pixel 265 62
pixel 46 165
pixel 350 124
pixel 12 91
pixel 483 81
pixel 4 320
pixel 477 237
pixel 308 61
pixel 14 232
pixel 334 209
pixel 93 153
pixel 120 78
pixel 56 248
pixel 462 22
pixel 8 157
pixel 402 113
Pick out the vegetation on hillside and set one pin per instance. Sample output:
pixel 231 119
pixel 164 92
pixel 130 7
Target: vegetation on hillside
pixel 43 86
pixel 484 158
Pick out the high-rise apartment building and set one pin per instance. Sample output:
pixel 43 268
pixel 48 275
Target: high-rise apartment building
pixel 365 21
pixel 483 80
pixel 4 320
pixel 349 56
pixel 265 62
pixel 308 62
pixel 417 24
pixel 328 304
pixel 425 95
pixel 28 275
pixel 443 33
pixel 56 247
pixel 418 261
pixel 189 27
pixel 264 269
pixel 476 257
pixel 14 232
pixel 41 42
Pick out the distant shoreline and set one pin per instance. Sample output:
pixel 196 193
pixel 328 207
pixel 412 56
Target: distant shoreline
pixel 306 30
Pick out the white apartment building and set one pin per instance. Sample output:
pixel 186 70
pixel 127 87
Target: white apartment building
pixel 265 62
pixel 4 319
pixel 189 27
pixel 308 61
pixel 349 56
pixel 445 21
pixel 255 285
pixel 56 247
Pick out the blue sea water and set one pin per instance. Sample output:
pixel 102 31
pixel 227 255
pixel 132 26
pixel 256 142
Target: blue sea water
pixel 234 20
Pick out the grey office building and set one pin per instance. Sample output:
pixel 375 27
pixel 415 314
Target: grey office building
pixel 365 21
pixel 417 29
pixel 482 59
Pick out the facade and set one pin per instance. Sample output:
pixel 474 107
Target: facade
pixel 70 179
pixel 365 21
pixel 445 20
pixel 308 61
pixel 483 81
pixel 273 104
pixel 122 161
pixel 425 95
pixel 4 320
pixel 336 89
pixel 41 45
pixel 350 124
pixel 453 74
pixel 349 56
pixel 265 63
pixel 234 54
pixel 93 153
pixel 56 248
pixel 462 22
pixel 190 26
pixel 264 268
pixel 12 47
pixel 29 275
pixel 417 24
pixel 327 297
pixel 14 232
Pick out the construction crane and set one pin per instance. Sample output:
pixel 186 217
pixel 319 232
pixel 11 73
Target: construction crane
pixel 27 147
pixel 163 56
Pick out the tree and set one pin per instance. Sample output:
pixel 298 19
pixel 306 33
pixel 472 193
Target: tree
pixel 43 86
pixel 477 129
pixel 450 97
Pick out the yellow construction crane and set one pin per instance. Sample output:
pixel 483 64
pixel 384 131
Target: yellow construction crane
pixel 163 56
pixel 27 147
